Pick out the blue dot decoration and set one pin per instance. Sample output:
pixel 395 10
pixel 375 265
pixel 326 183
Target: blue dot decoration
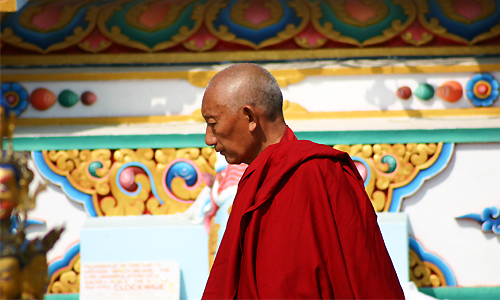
pixel 183 170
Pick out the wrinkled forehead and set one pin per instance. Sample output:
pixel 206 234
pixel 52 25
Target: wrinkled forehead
pixel 216 100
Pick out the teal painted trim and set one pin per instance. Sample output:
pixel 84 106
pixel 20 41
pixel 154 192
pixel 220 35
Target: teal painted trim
pixel 467 135
pixel 463 293
pixel 109 142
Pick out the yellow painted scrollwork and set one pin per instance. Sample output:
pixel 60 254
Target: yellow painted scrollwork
pixel 97 172
pixel 392 166
pixel 66 280
pixel 425 274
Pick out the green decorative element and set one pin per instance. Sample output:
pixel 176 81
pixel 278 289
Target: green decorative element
pixel 391 161
pixel 68 98
pixel 459 135
pixel 361 33
pixel 424 91
pixel 93 167
pixel 183 20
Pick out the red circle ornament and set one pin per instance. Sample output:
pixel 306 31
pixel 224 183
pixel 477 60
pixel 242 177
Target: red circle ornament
pixel 404 93
pixel 88 98
pixel 42 99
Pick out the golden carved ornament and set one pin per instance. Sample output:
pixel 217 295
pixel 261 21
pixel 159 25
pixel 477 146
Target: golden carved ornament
pixel 302 42
pixel 66 280
pixel 103 44
pixel 109 198
pixel 328 30
pixel 9 37
pixel 406 160
pixel 424 38
pixel 435 27
pixel 209 44
pixel 425 274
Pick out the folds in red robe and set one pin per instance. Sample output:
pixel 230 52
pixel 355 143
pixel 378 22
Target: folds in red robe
pixel 302 227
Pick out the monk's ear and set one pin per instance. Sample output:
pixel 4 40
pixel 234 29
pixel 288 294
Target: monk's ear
pixel 251 116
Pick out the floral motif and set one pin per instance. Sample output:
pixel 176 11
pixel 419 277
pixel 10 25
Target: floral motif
pixel 489 219
pixel 482 89
pixel 13 98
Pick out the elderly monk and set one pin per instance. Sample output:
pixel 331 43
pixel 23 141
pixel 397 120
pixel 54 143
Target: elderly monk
pixel 301 226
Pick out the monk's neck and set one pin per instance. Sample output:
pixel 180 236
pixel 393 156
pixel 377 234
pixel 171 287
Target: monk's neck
pixel 271 135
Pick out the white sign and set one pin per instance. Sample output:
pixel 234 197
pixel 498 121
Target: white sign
pixel 158 280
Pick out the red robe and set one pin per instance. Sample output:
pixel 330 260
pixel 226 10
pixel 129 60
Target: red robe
pixel 302 227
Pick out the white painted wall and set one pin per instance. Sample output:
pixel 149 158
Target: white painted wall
pixel 470 183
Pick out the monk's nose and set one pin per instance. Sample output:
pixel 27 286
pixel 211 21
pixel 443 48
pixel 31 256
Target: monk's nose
pixel 210 138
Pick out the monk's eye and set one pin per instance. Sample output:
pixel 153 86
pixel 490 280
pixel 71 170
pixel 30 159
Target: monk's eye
pixel 3 188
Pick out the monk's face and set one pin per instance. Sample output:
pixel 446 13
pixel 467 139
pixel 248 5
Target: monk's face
pixel 9 192
pixel 228 132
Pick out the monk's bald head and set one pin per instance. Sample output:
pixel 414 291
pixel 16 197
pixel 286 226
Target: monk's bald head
pixel 248 83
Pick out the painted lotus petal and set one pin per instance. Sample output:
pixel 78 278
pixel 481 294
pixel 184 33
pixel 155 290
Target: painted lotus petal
pixel 470 85
pixel 476 78
pixel 6 87
pixel 22 106
pixel 487 77
pixel 16 87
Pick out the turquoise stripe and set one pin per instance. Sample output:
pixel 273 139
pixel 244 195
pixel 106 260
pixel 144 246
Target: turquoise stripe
pixel 463 293
pixel 468 135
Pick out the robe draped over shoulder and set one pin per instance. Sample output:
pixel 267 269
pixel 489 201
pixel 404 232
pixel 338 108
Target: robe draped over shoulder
pixel 302 227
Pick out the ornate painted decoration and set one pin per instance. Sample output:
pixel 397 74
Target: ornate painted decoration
pixel 393 172
pixel 151 25
pixel 256 23
pixel 482 90
pixel 133 26
pixel 45 26
pixel 467 21
pixel 489 219
pixel 166 181
pixel 347 21
pixel 13 98
pixel 65 273
pixel 129 182
pixel 427 269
